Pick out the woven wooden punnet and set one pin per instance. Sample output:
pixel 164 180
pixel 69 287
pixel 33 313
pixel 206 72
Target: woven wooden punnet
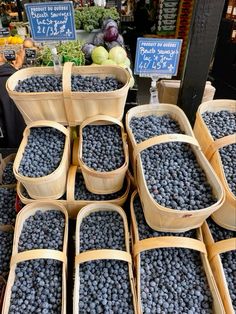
pixel 52 186
pixel 226 215
pixel 140 246
pixel 103 182
pixel 74 206
pixel 27 200
pixel 37 106
pixel 82 105
pixel 214 250
pixel 3 164
pixel 159 217
pixel 100 254
pixel 17 257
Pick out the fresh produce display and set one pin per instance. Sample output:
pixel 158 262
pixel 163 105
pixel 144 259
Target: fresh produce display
pixel 116 54
pixel 90 18
pixel 40 83
pixel 103 147
pixel 8 175
pixel 6 240
pixel 221 124
pixel 81 192
pixel 11 40
pixel 43 152
pixel 38 283
pixel 104 284
pixel 228 259
pixel 7 206
pixel 173 175
pixel 172 279
pixel 94 84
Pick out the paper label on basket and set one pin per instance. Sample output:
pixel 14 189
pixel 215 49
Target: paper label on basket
pixel 158 57
pixel 51 20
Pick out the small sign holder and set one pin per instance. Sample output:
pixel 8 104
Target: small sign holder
pixel 157 58
pixel 52 22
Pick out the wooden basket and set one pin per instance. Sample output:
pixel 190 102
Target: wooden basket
pixel 226 215
pixel 163 218
pixel 17 257
pixel 82 105
pixel 214 250
pixel 100 254
pixel 3 164
pixel 25 200
pixel 37 106
pixel 52 186
pixel 103 182
pixel 74 206
pixel 140 246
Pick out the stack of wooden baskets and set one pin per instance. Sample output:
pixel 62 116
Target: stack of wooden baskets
pixel 73 109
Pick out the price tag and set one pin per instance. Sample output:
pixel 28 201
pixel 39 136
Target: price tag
pixel 30 54
pixel 4 32
pixel 51 21
pixel 159 57
pixel 10 54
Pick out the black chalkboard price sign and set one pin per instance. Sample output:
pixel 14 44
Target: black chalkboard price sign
pixel 4 32
pixel 10 54
pixel 30 54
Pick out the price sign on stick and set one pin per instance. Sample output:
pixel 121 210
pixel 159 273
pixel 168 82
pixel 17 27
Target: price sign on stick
pixel 10 54
pixel 51 20
pixel 157 58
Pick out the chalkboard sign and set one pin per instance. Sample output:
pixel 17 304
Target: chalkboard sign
pixel 30 54
pixel 157 57
pixel 51 21
pixel 9 54
pixel 4 32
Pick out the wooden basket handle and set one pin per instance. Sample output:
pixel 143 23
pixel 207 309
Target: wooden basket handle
pixel 70 186
pixel 168 242
pixel 220 143
pixel 46 123
pixel 160 139
pixel 38 254
pixel 66 87
pixel 75 151
pixel 100 117
pixel 221 247
pixel 103 254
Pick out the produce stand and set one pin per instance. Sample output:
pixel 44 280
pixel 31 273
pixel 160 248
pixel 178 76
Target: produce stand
pixel 97 74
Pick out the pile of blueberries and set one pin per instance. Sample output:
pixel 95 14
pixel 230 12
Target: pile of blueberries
pixel 104 285
pixel 103 147
pixel 173 176
pixel 172 279
pixel 220 124
pixel 8 175
pixel 6 240
pixel 81 192
pixel 228 259
pixel 38 283
pixel 43 152
pixel 40 83
pixel 7 206
pixel 94 84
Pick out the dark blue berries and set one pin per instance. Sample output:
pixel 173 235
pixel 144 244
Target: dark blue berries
pixel 7 206
pixel 43 152
pixel 94 84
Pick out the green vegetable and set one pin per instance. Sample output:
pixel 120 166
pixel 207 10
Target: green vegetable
pixel 99 55
pixel 67 51
pixel 90 18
